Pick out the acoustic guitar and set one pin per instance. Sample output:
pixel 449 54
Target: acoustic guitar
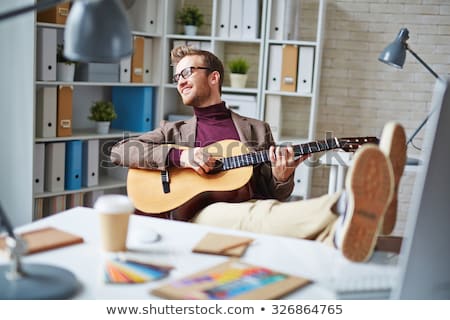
pixel 182 192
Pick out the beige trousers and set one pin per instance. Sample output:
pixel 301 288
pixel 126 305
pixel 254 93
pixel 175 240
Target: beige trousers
pixel 310 219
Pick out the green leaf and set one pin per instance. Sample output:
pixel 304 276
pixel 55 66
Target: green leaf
pixel 102 111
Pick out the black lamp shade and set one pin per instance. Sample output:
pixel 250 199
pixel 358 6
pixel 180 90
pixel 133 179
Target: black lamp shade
pixel 395 53
pixel 97 31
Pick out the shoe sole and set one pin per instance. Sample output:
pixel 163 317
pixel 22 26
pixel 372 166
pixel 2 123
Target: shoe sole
pixel 393 144
pixel 370 185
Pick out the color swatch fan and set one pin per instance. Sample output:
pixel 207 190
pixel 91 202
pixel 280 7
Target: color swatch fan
pixel 130 271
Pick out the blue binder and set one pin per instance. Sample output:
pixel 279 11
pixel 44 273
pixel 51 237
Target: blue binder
pixel 74 160
pixel 134 108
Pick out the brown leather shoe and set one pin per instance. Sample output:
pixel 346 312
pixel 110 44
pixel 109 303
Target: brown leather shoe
pixel 370 187
pixel 393 145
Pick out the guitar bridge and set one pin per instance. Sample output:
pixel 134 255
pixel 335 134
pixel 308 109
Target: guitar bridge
pixel 165 181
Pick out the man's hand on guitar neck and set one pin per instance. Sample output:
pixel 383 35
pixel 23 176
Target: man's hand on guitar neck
pixel 197 159
pixel 284 162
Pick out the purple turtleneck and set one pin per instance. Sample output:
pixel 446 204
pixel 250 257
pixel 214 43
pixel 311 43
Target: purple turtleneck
pixel 214 123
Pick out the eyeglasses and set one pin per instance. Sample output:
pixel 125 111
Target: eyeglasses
pixel 186 73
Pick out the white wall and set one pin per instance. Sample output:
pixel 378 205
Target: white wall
pixel 16 112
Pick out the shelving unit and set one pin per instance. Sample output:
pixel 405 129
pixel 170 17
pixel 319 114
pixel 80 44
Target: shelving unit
pixel 292 117
pixel 110 178
pixel 293 114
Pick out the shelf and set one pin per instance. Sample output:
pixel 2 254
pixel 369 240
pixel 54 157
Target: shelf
pixel 293 42
pixel 145 34
pixel 89 134
pixel 256 41
pixel 63 26
pixel 224 89
pixel 105 183
pixel 50 25
pixel 240 90
pixel 95 84
pixel 185 37
pixel 288 94
pixel 209 38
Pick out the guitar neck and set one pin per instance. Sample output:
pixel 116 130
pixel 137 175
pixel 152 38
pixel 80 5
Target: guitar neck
pixel 258 157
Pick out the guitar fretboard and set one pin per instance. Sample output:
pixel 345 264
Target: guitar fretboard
pixel 258 157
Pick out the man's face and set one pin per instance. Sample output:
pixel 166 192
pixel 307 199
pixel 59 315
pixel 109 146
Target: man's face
pixel 195 90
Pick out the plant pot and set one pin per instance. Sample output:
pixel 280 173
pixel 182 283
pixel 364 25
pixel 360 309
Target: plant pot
pixel 190 30
pixel 238 80
pixel 102 127
pixel 65 72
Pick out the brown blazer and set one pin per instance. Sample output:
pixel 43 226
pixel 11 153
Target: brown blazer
pixel 150 151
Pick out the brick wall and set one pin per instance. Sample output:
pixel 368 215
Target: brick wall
pixel 359 94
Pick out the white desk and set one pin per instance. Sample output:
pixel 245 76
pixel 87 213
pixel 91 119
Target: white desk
pixel 309 259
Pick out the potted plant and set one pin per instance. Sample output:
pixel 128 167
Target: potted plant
pixel 191 18
pixel 238 72
pixel 102 112
pixel 65 68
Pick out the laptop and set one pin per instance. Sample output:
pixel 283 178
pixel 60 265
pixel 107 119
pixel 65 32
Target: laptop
pixel 424 259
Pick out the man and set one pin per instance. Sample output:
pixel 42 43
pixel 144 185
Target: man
pixel 349 220
pixel 199 77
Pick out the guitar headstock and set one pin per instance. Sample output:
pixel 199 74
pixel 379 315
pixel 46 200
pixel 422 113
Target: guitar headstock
pixel 353 143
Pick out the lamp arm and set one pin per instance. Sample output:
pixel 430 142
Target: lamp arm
pixel 422 62
pixel 419 128
pixel 41 5
pixel 4 221
pixel 428 116
pixel 15 246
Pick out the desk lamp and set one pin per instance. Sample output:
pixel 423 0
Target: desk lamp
pixel 394 55
pixel 96 30
pixel 31 281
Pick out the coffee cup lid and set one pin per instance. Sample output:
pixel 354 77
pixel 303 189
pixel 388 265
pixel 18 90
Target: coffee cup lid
pixel 114 203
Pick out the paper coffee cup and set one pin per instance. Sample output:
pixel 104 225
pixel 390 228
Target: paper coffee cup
pixel 114 213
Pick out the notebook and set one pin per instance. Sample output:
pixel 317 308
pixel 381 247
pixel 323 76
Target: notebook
pixel 46 239
pixel 232 279
pixel 223 244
